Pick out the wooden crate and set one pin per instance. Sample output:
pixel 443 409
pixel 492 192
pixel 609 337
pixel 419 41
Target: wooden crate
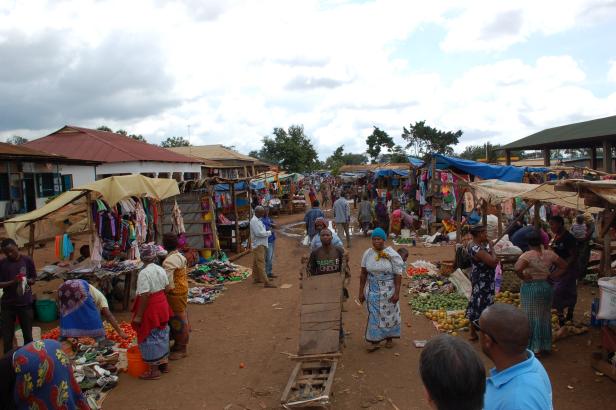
pixel 310 385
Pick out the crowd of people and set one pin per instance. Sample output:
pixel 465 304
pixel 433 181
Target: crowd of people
pixel 31 375
pixel 450 368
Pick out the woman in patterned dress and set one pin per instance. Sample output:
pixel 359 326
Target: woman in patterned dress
pixel 381 270
pixel 484 262
pixel 39 376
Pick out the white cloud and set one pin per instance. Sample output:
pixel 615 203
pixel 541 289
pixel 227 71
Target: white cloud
pixel 611 74
pixel 234 70
pixel 487 25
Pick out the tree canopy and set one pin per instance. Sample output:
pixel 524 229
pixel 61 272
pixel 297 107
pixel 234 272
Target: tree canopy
pixel 430 140
pixel 16 140
pixel 172 142
pixel 137 137
pixel 376 141
pixel 291 149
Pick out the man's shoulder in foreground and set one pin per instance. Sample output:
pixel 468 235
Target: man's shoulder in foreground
pixel 523 386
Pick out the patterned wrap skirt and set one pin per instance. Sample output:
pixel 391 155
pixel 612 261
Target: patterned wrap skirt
pixel 383 316
pixel 536 298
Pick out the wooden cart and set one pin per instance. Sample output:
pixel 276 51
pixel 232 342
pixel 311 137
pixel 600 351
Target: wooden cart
pixel 310 383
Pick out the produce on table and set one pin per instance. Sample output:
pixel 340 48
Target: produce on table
pixel 412 271
pixel 451 301
pixel 448 322
pixel 430 284
pixel 507 297
pixel 403 241
pixel 110 334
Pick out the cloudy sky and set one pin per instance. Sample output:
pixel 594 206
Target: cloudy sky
pixel 234 69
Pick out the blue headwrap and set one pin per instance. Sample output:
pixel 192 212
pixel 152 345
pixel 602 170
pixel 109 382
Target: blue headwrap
pixel 379 233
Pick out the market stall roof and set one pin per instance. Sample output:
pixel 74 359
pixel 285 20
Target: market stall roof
pixel 605 189
pixel 67 212
pixel 259 183
pixel 584 134
pixel 496 192
pixel 379 173
pixel 218 153
pixel 506 173
pixel 416 162
pixel 116 188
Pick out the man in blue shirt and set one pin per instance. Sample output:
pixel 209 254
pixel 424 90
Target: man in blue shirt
pixel 271 243
pixel 311 216
pixel 519 381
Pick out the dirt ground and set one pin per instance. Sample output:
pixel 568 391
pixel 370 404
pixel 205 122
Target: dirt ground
pixel 257 327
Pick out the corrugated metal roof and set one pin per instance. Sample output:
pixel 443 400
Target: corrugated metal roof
pixel 214 152
pixel 86 144
pixel 578 135
pixel 23 151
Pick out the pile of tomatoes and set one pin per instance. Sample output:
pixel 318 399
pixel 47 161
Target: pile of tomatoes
pixel 110 334
pixel 52 334
pixel 412 271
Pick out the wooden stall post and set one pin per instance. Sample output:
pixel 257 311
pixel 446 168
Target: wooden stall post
pixel 537 216
pixel 90 225
pixel 31 239
pixel 606 255
pixel 484 213
pixel 499 215
pixel 238 242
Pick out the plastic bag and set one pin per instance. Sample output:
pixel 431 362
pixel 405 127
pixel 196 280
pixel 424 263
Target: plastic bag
pixel 306 240
pixel 498 277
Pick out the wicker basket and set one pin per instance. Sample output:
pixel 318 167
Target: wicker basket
pixel 511 282
pixel 446 268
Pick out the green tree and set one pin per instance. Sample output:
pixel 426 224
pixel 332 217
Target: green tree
pixel 335 161
pixel 428 140
pixel 291 149
pixel 133 136
pixel 398 155
pixel 104 128
pixel 478 152
pixel 354 159
pixel 16 140
pixel 172 142
pixel 376 141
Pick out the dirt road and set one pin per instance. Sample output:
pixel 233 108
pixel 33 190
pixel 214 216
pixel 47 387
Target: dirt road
pixel 256 326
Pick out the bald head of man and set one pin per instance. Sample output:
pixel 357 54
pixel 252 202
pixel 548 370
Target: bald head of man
pixel 504 332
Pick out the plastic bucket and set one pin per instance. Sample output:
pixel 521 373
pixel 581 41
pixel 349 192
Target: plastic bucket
pixel 46 310
pixel 607 302
pixel 136 365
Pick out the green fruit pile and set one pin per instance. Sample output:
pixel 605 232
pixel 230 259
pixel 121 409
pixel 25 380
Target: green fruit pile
pixel 436 301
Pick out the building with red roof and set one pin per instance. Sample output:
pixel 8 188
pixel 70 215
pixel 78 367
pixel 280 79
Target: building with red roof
pixel 117 154
pixel 29 177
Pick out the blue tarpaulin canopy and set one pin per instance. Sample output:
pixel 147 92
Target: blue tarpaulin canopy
pixel 260 182
pixel 239 186
pixel 506 173
pixel 416 162
pixel 378 173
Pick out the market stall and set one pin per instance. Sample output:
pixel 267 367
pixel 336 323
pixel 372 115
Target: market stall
pixel 279 191
pixel 117 214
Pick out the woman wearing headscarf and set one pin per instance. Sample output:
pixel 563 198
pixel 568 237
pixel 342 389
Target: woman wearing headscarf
pixel 382 217
pixel 151 314
pixel 177 296
pixel 315 243
pixel 39 376
pixel 81 306
pixel 484 262
pixel 381 271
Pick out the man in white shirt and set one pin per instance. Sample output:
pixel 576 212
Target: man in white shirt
pixel 342 217
pixel 258 237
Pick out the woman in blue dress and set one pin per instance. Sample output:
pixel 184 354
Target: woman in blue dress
pixel 381 271
pixel 484 263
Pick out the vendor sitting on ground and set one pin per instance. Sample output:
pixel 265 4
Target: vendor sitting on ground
pixel 81 306
pixel 319 225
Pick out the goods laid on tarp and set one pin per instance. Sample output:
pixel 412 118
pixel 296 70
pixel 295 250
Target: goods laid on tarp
pixel 201 295
pixel 423 283
pixel 217 272
pixel 96 365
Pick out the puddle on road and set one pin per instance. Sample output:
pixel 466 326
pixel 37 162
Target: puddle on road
pixel 294 230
